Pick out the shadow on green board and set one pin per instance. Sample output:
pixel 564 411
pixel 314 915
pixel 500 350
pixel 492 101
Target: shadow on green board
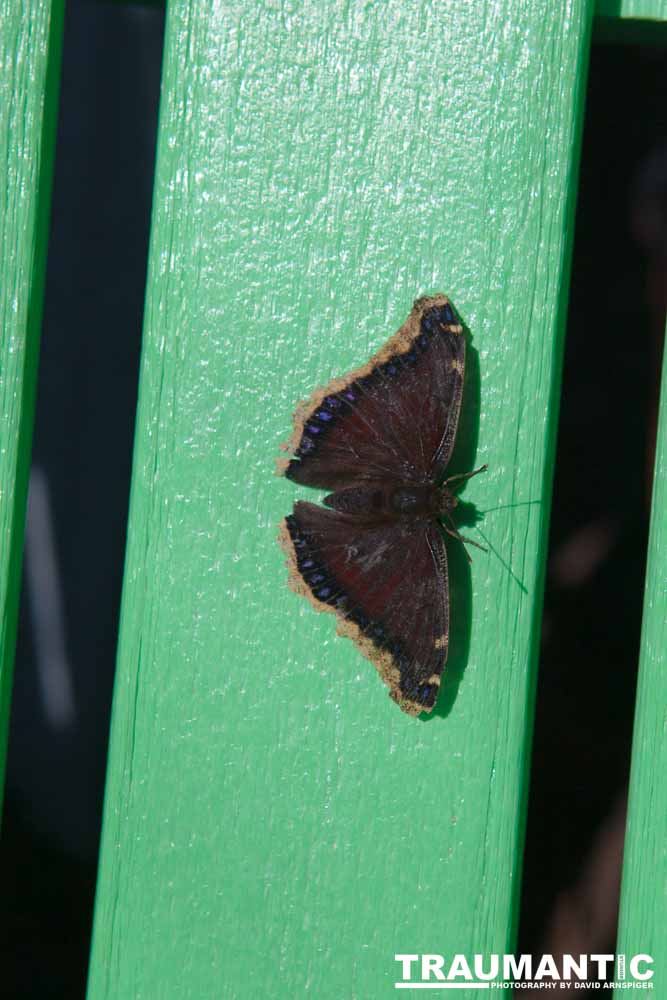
pixel 616 30
pixel 466 515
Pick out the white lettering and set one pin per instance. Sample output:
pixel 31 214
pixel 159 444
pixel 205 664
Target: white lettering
pixel 514 970
pixel 432 964
pixel 634 967
pixel 480 973
pixel 407 961
pixel 547 967
pixel 459 967
pixel 620 966
pixel 602 961
pixel 570 965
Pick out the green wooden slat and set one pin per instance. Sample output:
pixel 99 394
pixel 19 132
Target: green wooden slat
pixel 274 825
pixel 631 22
pixel 643 915
pixel 650 10
pixel 30 45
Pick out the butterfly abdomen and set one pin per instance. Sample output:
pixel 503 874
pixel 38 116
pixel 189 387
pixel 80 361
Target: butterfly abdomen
pixel 387 500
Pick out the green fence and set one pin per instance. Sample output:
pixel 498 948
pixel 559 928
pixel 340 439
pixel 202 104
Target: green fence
pixel 273 825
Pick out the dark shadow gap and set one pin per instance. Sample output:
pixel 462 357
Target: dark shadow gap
pixel 599 522
pixel 75 537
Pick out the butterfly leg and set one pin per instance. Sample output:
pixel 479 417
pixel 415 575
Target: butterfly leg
pixel 451 530
pixel 465 475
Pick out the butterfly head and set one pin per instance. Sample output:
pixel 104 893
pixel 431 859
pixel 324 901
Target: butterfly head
pixel 446 501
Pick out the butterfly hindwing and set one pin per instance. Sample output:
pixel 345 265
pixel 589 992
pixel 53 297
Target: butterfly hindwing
pixel 393 419
pixel 386 580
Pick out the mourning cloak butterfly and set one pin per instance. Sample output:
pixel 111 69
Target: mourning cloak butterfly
pixel 380 439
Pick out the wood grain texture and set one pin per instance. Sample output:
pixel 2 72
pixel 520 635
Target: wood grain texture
pixel 274 825
pixel 643 916
pixel 30 46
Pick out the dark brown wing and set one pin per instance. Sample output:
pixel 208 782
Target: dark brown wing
pixel 395 418
pixel 387 583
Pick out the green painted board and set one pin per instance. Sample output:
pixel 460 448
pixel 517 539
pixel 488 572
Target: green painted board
pixel 643 915
pixel 639 10
pixel 631 22
pixel 274 826
pixel 30 45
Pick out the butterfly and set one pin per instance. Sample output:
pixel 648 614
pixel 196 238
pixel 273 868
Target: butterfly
pixel 380 440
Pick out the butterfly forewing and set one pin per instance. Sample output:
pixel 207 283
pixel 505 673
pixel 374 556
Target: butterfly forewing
pixel 394 419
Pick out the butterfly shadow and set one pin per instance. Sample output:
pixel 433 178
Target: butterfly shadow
pixel 466 515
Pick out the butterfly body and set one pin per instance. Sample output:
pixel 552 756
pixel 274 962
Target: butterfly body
pixel 380 440
pixel 392 500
